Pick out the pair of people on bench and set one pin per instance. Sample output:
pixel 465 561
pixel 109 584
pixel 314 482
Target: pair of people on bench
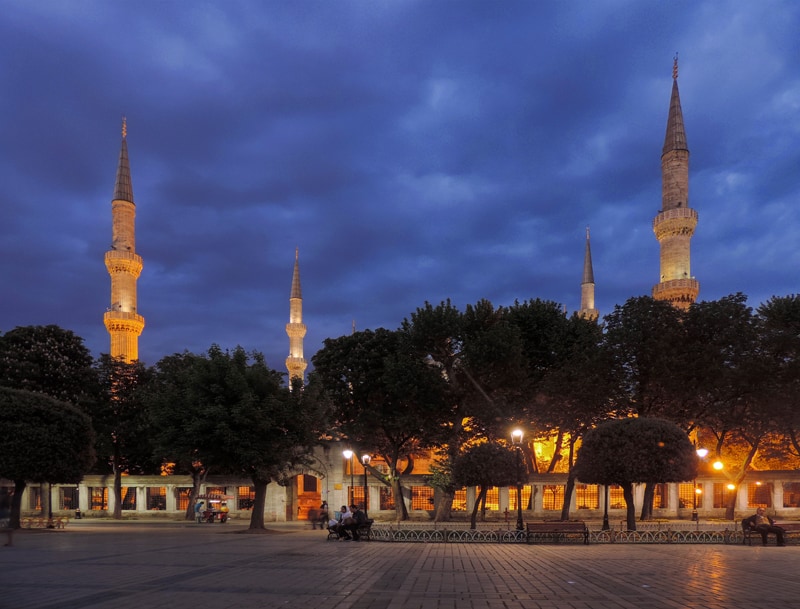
pixel 349 521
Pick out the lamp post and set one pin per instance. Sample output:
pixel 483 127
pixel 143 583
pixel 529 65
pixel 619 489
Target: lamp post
pixel 605 526
pixel 365 461
pixel 516 440
pixel 701 454
pixel 348 454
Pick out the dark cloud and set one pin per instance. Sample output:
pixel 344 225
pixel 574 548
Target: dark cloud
pixel 413 151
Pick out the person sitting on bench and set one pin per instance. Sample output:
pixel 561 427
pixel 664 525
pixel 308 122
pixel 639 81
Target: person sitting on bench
pixel 765 525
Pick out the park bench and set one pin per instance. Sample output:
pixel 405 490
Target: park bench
pixel 557 531
pixel 364 531
pixel 792 531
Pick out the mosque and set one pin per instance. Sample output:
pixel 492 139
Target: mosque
pixel 337 474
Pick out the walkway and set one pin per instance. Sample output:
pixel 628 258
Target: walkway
pixel 138 565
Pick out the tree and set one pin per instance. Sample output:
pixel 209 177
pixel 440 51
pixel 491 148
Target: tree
pixel 49 360
pixel 124 438
pixel 243 422
pixel 385 400
pixel 44 440
pixel 484 465
pixel 635 450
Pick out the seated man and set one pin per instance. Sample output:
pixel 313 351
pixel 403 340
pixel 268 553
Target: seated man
pixel 345 524
pixel 358 518
pixel 765 525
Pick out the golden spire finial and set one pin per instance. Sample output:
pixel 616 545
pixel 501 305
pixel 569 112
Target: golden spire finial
pixel 124 127
pixel 675 66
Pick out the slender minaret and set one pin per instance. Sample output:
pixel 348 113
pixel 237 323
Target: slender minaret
pixel 296 329
pixel 675 223
pixel 587 285
pixel 123 322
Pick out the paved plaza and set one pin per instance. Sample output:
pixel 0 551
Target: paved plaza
pixel 138 565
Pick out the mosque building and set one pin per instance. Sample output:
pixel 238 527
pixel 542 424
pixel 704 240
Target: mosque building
pixel 333 476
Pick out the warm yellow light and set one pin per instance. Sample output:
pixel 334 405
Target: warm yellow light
pixel 731 487
pixel 702 452
pixel 365 459
pixel 347 453
pixel 718 465
pixel 758 483
pixel 698 491
pixel 516 436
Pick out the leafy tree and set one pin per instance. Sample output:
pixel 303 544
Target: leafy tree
pixel 49 360
pixel 385 401
pixel 44 440
pixel 635 450
pixel 254 427
pixel 120 420
pixel 484 465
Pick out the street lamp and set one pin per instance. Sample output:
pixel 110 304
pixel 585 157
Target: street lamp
pixel 701 454
pixel 348 454
pixel 365 461
pixel 516 440
pixel 605 526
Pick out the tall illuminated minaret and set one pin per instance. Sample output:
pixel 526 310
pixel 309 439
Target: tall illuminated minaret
pixel 296 329
pixel 587 285
pixel 122 320
pixel 675 223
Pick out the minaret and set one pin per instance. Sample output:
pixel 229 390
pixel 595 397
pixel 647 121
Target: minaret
pixel 123 322
pixel 675 223
pixel 587 285
pixel 296 329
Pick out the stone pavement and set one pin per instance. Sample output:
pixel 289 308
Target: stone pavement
pixel 141 565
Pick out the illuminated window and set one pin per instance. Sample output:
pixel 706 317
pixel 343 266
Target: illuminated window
pixel 387 498
pixel 245 497
pixel 687 496
pixel 791 494
pixel 35 498
pixel 660 497
pixel 182 498
pixel 492 501
pixel 460 500
pixel 722 495
pixel 553 496
pixel 587 496
pixel 421 498
pixel 616 497
pixel 309 484
pixel 759 495
pixel 128 497
pixel 512 497
pixel 68 498
pixel 98 498
pixel 156 497
pixel 357 496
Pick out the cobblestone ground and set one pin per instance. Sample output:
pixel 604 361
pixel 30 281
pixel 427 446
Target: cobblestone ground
pixel 182 566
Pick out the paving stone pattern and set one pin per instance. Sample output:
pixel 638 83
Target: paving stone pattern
pixel 183 566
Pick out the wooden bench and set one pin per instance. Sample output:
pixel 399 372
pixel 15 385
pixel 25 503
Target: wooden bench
pixel 557 531
pixel 792 531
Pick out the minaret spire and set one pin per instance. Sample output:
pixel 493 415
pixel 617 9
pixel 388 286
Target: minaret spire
pixel 124 265
pixel 296 329
pixel 675 223
pixel 587 310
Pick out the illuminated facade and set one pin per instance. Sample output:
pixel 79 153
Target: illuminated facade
pixel 296 329
pixel 675 223
pixel 122 320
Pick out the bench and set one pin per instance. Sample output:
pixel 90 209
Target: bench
pixel 364 531
pixel 792 530
pixel 556 531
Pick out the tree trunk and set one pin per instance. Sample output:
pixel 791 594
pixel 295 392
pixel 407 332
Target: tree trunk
pixel 198 479
pixel 556 452
pixel 627 493
pixel 647 502
pixel 400 510
pixel 568 490
pixel 260 500
pixel 117 491
pixel 478 501
pixel 445 506
pixel 16 504
pixel 730 508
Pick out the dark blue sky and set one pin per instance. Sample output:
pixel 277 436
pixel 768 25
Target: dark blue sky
pixel 413 150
